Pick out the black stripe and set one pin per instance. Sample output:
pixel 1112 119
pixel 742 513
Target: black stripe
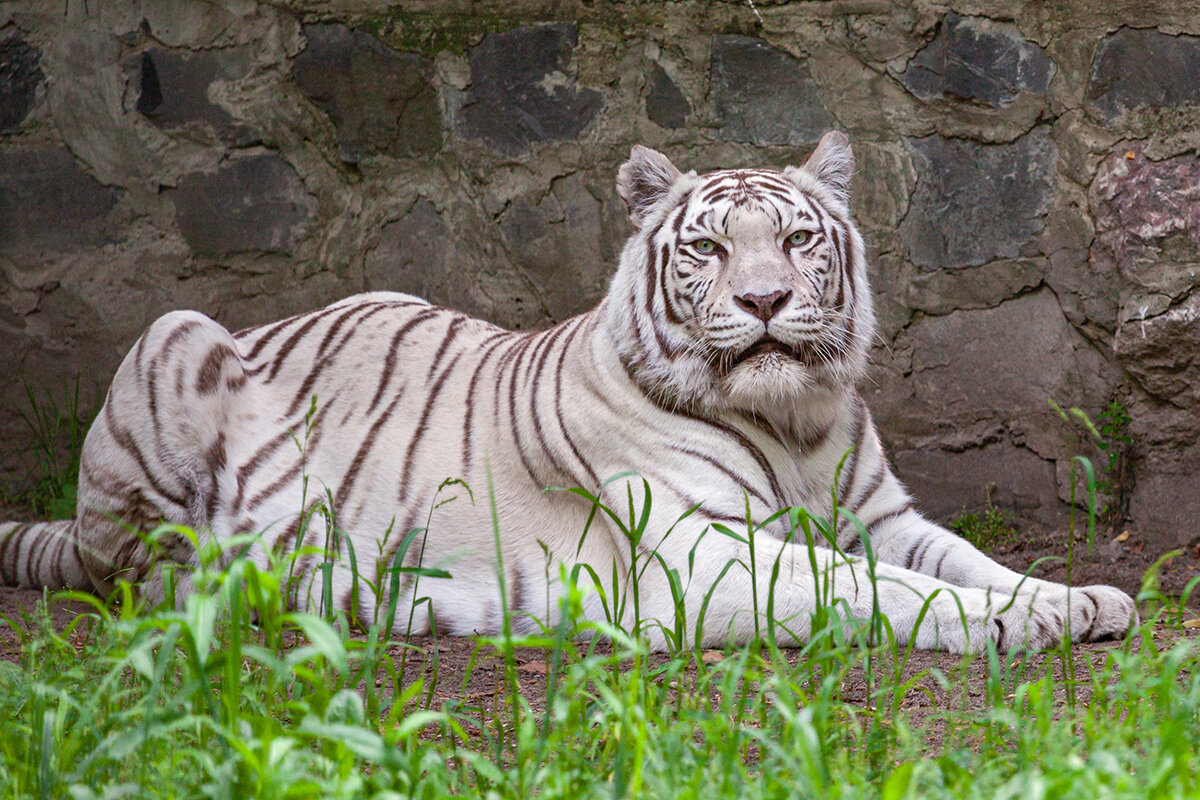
pixel 321 363
pixel 368 442
pixel 126 442
pixel 5 543
pixel 750 447
pixel 491 343
pixel 451 332
pixel 562 356
pixel 315 431
pixel 937 568
pixel 33 555
pixel 247 470
pixel 290 343
pixel 857 430
pixel 514 368
pixel 337 326
pixel 533 383
pixel 208 377
pixel 278 327
pixel 888 517
pixel 56 563
pixel 1095 614
pixel 423 427
pixel 870 488
pixel 173 337
pixel 389 363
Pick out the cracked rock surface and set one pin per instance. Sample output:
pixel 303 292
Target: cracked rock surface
pixel 1027 182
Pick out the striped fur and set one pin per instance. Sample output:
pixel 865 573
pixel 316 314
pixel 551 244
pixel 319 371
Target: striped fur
pixel 720 367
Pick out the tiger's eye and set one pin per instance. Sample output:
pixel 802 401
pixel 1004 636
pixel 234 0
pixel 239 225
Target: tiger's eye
pixel 705 246
pixel 799 237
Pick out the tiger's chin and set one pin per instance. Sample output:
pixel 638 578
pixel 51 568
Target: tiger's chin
pixel 768 379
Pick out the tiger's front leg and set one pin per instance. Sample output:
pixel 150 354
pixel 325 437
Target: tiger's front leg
pixel 902 537
pixel 737 603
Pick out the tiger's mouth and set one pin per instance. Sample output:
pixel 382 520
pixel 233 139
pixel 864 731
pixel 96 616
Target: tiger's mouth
pixel 769 345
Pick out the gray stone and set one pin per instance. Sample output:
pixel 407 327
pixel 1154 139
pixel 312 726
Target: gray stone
pixel 561 242
pixel 1135 67
pixel 47 201
pixel 975 203
pixel 521 91
pixel 411 257
pixel 977 59
pixel 665 104
pixel 20 76
pixel 945 481
pixel 763 95
pixel 1162 352
pixel 381 101
pixel 972 408
pixel 173 86
pixel 249 204
pixel 1165 502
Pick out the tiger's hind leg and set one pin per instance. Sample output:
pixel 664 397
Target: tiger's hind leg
pixel 156 452
pixel 36 554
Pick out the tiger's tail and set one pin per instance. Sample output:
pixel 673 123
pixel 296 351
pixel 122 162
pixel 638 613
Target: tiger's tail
pixel 42 554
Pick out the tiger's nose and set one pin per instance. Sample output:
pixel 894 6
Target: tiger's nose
pixel 764 306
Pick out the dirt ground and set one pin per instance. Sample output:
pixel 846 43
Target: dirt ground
pixel 1119 563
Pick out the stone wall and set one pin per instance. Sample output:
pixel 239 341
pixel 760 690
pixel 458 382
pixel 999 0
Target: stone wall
pixel 1027 182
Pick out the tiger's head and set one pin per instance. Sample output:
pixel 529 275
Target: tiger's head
pixel 742 289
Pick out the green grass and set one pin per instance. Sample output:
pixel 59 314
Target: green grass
pixel 236 695
pixel 57 422
pixel 986 528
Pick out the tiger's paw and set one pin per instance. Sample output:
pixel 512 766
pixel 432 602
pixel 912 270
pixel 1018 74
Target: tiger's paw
pixel 1026 624
pixel 1099 613
pixel 1021 623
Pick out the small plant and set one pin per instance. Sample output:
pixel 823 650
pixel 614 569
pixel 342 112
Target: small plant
pixel 1111 441
pixel 1114 443
pixel 58 431
pixel 986 528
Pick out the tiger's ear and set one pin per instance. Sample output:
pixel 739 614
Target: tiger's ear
pixel 644 180
pixel 832 164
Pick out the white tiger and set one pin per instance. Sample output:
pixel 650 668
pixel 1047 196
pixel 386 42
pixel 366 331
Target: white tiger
pixel 720 367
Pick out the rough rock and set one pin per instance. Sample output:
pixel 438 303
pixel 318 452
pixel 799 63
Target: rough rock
pixel 20 76
pixel 977 59
pixel 1147 216
pixel 411 257
pixel 979 380
pixel 974 203
pixel 1008 359
pixel 1162 352
pixel 47 201
pixel 1148 231
pixel 173 86
pixel 666 105
pixel 946 481
pixel 522 91
pixel 381 101
pixel 250 203
pixel 1165 501
pixel 1136 67
pixel 749 77
pixel 555 241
